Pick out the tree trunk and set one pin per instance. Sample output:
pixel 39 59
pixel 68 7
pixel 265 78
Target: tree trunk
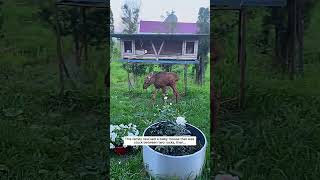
pixel 77 48
pixel 292 36
pixel 84 34
pixel 300 31
pixel 134 72
pixel 59 50
pixel 242 56
pixel 277 17
pixel 196 69
pixel 201 71
pixel 198 79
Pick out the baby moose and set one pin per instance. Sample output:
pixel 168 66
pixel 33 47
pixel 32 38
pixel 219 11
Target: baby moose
pixel 162 80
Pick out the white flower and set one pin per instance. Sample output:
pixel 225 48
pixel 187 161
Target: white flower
pixel 112 146
pixel 112 127
pixel 113 136
pixel 170 104
pixel 181 120
pixel 123 126
pixel 130 134
pixel 136 133
pixel 130 124
pixel 165 98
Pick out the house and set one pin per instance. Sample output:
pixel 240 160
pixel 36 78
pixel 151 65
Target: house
pixel 158 40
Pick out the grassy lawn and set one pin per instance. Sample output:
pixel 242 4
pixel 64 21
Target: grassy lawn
pixel 135 107
pixel 45 136
pixel 277 136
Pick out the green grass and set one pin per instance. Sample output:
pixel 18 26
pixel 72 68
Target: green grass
pixel 43 135
pixel 277 135
pixel 135 107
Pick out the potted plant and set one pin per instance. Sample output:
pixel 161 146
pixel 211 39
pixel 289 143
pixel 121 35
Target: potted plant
pixel 182 162
pixel 117 134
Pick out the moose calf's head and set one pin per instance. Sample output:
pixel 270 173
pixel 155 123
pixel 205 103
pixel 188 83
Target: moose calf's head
pixel 148 81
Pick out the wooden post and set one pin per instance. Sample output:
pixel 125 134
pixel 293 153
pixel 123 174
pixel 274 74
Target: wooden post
pixel 213 101
pixel 242 55
pixel 85 43
pixel 129 83
pixel 212 87
pixel 300 31
pixel 162 43
pixel 154 50
pixel 292 36
pixel 59 50
pixel 185 78
pixel 239 37
pixel 294 39
pixel 77 42
pixel 202 71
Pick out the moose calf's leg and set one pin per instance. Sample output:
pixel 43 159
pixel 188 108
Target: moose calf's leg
pixel 175 92
pixel 164 93
pixel 154 95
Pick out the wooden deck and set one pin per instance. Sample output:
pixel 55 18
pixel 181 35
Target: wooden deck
pixel 167 61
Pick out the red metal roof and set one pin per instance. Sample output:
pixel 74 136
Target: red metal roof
pixel 161 27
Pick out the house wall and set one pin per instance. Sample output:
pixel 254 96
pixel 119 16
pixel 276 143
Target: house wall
pixel 169 49
pixel 144 45
pixel 172 47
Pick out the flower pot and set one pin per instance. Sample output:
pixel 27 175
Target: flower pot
pixel 183 167
pixel 120 150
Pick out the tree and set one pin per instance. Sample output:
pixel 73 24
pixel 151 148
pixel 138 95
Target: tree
pixel 111 29
pixel 171 21
pixel 279 20
pixel 204 28
pixel 1 21
pixel 111 25
pixel 130 18
pixel 72 24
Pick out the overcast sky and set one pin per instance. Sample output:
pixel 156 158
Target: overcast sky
pixel 152 10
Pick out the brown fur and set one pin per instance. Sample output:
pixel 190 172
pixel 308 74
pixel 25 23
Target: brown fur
pixel 162 80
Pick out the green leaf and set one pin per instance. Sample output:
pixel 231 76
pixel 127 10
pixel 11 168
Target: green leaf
pixel 4 168
pixel 239 163
pixel 12 112
pixel 43 171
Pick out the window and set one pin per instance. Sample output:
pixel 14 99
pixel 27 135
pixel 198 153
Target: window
pixel 172 48
pixel 127 46
pixel 190 48
pixel 144 45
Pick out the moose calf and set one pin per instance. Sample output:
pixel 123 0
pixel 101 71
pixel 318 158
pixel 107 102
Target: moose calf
pixel 162 80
